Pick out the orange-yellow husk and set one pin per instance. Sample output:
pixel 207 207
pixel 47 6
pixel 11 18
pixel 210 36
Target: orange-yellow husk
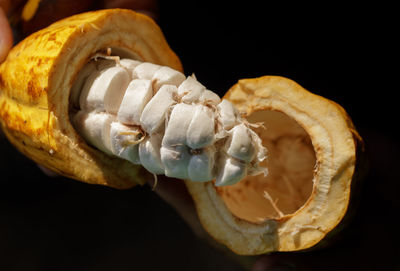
pixel 35 83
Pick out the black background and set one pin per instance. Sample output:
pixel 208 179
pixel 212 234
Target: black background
pixel 339 51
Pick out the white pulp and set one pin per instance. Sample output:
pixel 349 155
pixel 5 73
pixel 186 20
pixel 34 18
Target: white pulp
pixel 170 124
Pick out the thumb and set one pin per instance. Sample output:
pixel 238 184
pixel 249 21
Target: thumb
pixel 6 39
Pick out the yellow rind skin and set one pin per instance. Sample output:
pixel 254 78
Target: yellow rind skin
pixel 35 83
pixel 338 148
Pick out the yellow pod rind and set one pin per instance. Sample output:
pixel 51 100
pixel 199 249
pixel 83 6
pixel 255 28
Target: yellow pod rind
pixel 336 144
pixel 35 84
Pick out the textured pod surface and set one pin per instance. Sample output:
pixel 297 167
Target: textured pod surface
pixel 35 84
pixel 336 145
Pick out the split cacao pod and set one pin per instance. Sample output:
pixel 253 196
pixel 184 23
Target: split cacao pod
pixel 314 148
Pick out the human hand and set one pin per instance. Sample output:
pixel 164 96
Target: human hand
pixel 6 39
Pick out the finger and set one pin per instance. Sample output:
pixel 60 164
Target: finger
pixel 10 7
pixel 6 39
pixel 148 7
pixel 5 5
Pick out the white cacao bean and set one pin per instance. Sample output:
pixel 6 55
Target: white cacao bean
pixel 106 91
pixel 208 96
pixel 167 76
pixel 130 65
pixel 190 90
pixel 178 124
pixel 137 95
pixel 95 128
pixel 200 132
pixel 240 145
pixel 231 171
pixel 176 160
pixel 149 154
pixel 145 71
pixel 201 165
pixel 156 110
pixel 228 114
pixel 125 141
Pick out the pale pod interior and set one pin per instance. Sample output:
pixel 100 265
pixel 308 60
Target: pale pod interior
pixel 157 117
pixel 291 166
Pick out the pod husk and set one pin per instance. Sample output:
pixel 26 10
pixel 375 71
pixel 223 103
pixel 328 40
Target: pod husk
pixel 337 147
pixel 35 84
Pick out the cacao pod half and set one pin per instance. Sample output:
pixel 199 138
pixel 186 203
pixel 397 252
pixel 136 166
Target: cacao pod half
pixel 313 145
pixel 36 80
